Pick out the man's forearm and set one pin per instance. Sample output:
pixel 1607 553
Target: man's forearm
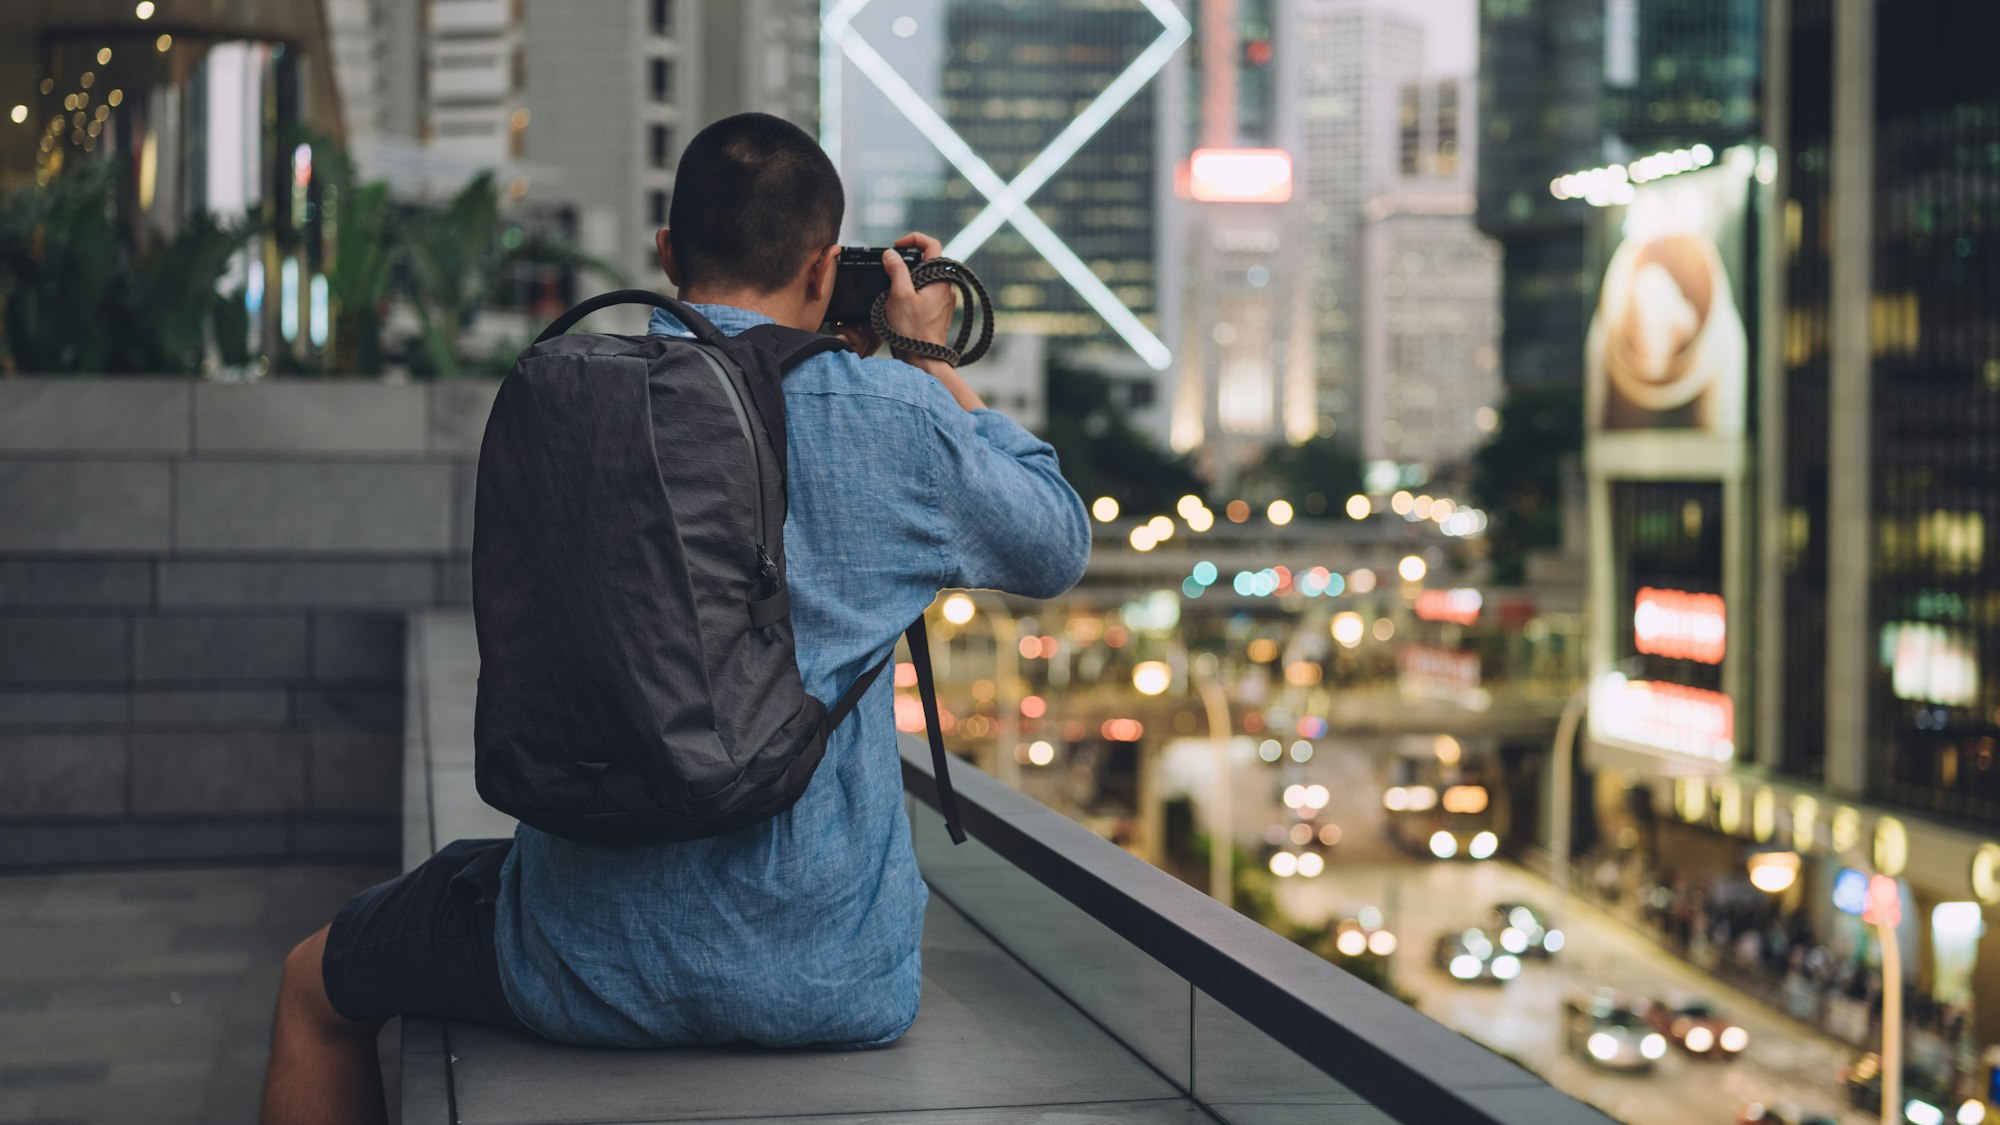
pixel 948 375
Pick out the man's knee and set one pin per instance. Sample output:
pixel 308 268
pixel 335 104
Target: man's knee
pixel 302 991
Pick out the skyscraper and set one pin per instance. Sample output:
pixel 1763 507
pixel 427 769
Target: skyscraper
pixel 1540 89
pixel 582 109
pixel 1024 134
pixel 1429 293
pixel 1851 718
pixel 1243 346
pixel 1355 56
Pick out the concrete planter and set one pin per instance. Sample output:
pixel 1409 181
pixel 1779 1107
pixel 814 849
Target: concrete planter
pixel 202 595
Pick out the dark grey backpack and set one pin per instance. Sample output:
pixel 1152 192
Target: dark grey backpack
pixel 637 680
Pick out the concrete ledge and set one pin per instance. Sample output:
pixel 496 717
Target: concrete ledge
pixel 67 505
pixel 310 416
pixel 196 841
pixel 336 507
pixel 389 583
pixel 75 583
pixel 96 415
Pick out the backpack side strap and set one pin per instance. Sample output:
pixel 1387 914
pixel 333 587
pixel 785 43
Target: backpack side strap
pixel 920 658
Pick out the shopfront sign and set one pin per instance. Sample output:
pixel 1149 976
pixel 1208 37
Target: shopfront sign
pixel 1455 607
pixel 1850 891
pixel 1664 717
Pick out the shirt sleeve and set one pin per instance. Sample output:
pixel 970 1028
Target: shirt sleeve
pixel 1007 520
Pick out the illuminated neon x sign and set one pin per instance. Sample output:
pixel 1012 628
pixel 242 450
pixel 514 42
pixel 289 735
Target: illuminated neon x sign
pixel 1007 201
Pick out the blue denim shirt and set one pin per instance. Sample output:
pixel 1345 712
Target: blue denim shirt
pixel 803 930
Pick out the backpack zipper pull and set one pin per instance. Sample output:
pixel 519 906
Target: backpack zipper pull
pixel 767 568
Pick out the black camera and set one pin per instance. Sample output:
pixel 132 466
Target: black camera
pixel 858 278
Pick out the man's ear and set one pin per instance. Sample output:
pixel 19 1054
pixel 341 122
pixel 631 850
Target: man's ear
pixel 819 275
pixel 666 245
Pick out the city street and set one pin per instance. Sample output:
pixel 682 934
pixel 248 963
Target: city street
pixel 1784 1062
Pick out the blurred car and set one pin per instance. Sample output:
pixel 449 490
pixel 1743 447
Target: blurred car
pixel 1474 955
pixel 1600 1025
pixel 1359 932
pixel 1783 1113
pixel 1693 1023
pixel 1537 937
pixel 1925 1100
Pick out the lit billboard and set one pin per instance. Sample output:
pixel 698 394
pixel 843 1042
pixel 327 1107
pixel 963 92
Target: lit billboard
pixel 1667 387
pixel 1237 175
pixel 1667 349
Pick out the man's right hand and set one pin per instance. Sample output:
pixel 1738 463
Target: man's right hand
pixel 920 314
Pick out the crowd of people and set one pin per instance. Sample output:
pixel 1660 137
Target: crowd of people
pixel 1745 937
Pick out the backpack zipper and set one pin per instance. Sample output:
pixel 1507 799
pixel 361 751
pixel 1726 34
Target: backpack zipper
pixel 767 567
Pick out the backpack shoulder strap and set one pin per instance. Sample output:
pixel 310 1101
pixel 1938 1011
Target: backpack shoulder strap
pixel 765 354
pixel 920 659
pixel 779 349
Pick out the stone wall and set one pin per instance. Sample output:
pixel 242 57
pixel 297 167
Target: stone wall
pixel 203 589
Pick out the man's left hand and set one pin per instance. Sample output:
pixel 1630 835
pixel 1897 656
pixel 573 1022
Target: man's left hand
pixel 861 338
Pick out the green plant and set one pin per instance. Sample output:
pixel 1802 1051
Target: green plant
pixel 364 257
pixel 75 296
pixel 457 257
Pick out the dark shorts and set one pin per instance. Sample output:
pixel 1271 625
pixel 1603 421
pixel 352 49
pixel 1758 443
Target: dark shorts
pixel 421 944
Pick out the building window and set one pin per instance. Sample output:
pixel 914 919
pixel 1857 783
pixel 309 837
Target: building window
pixel 663 17
pixel 658 204
pixel 663 79
pixel 660 145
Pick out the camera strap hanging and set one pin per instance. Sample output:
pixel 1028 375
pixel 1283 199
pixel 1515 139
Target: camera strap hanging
pixel 977 304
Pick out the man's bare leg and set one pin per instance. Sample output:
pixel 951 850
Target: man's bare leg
pixel 324 1069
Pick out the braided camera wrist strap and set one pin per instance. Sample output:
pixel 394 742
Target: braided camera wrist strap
pixel 977 304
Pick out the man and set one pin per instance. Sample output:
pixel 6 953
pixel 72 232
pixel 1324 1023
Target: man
pixel 804 929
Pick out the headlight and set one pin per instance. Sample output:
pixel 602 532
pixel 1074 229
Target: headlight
pixel 1553 941
pixel 1923 1112
pixel 1972 1112
pixel 1465 966
pixel 1513 940
pixel 1351 943
pixel 1443 845
pixel 1653 1046
pixel 1699 1039
pixel 1603 1048
pixel 1483 846
pixel 1734 1039
pixel 1506 967
pixel 1381 943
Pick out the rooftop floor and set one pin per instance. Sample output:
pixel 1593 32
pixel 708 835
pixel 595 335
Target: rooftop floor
pixel 145 996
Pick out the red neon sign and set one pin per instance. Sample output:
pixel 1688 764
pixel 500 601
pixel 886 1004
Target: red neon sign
pixel 1680 626
pixel 1457 607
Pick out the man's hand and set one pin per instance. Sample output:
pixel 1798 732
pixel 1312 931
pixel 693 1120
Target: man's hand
pixel 859 337
pixel 920 314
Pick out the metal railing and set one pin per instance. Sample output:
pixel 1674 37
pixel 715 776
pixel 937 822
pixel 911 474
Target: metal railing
pixel 1400 1061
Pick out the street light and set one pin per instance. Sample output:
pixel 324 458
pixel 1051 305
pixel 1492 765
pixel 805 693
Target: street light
pixel 1774 872
pixel 1152 677
pixel 1221 870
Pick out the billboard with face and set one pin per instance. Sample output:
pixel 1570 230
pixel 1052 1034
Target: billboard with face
pixel 1667 350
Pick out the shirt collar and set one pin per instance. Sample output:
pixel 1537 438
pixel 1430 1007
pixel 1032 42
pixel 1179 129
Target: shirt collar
pixel 728 319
